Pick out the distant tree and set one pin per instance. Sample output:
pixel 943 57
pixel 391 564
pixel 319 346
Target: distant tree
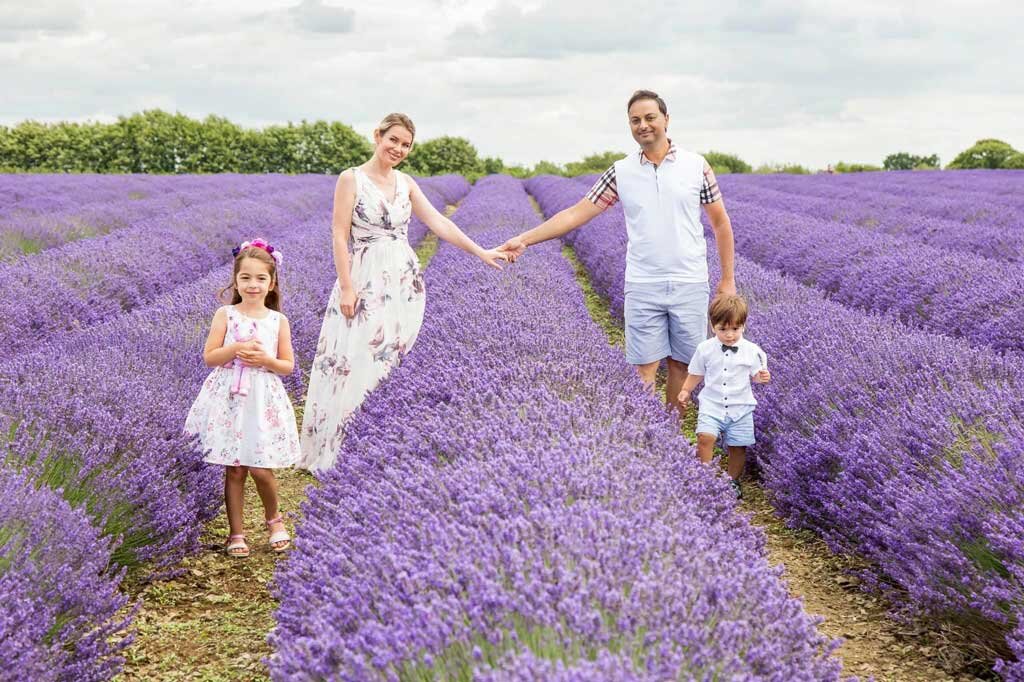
pixel 547 168
pixel 595 163
pixel 517 171
pixel 1014 161
pixel 492 165
pixel 444 154
pixel 728 163
pixel 988 153
pixel 843 167
pixel 905 161
pixel 899 161
pixel 791 168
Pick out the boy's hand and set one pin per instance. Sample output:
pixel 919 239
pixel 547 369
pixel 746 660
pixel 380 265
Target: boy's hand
pixel 762 377
pixel 684 397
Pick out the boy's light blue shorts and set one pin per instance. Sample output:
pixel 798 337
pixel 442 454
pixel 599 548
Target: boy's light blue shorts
pixel 664 319
pixel 736 432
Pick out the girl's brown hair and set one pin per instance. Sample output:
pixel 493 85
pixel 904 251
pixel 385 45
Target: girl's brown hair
pixel 273 296
pixel 728 309
pixel 397 119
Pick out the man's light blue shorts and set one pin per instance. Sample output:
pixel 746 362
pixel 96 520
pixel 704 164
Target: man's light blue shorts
pixel 665 319
pixel 737 432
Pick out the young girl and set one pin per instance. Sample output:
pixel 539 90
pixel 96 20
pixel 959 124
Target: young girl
pixel 243 416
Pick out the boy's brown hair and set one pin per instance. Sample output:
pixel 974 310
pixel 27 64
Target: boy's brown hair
pixel 728 309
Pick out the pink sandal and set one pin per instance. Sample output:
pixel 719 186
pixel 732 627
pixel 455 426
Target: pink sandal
pixel 278 536
pixel 236 547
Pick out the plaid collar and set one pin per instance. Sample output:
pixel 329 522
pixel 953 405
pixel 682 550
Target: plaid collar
pixel 671 156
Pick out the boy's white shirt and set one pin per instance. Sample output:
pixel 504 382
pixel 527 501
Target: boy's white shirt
pixel 726 391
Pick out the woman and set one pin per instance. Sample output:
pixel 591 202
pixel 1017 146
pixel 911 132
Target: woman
pixel 376 307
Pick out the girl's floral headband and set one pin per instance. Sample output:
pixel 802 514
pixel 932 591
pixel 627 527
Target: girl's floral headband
pixel 259 243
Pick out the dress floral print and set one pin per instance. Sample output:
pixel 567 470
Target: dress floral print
pixel 354 355
pixel 257 429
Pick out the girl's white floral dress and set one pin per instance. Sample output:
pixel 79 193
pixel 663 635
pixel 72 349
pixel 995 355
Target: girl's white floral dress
pixel 258 429
pixel 354 355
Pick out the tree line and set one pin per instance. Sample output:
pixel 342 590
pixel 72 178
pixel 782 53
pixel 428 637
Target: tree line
pixel 155 141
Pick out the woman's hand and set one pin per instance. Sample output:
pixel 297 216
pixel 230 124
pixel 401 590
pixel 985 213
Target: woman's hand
pixel 348 303
pixel 492 256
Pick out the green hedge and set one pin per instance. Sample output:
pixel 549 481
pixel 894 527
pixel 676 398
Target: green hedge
pixel 158 142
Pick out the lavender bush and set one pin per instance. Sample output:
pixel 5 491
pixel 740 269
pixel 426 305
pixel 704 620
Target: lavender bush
pixel 959 295
pixel 53 210
pixel 901 446
pixel 516 496
pixel 889 215
pixel 85 282
pixel 60 616
pixel 972 197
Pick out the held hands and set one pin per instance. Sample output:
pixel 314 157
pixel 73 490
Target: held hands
pixel 493 256
pixel 513 248
pixel 727 287
pixel 348 303
pixel 762 377
pixel 684 397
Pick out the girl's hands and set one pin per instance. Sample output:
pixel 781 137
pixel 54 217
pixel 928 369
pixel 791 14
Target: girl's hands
pixel 251 354
pixel 492 256
pixel 762 377
pixel 348 303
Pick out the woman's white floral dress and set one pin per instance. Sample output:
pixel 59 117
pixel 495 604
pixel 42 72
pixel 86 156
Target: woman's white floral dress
pixel 258 429
pixel 354 355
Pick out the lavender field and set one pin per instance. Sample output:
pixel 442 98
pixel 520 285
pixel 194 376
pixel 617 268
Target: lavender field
pixel 511 505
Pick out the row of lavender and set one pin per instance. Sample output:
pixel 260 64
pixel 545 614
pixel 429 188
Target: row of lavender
pixel 976 197
pixel 890 215
pixel 901 446
pixel 94 422
pixel 512 505
pixel 97 205
pixel 88 281
pixel 956 294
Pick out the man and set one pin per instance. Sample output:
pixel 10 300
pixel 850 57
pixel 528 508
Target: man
pixel 662 189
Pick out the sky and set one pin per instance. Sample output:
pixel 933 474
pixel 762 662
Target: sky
pixel 811 82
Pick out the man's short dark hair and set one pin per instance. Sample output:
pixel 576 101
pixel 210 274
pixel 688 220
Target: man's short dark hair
pixel 648 94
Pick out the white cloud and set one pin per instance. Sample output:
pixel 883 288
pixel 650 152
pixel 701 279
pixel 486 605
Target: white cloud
pixel 41 16
pixel 808 82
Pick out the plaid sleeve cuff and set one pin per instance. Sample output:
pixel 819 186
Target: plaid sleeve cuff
pixel 709 192
pixel 605 191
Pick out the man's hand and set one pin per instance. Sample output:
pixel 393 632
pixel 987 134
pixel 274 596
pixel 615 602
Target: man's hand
pixel 684 397
pixel 513 248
